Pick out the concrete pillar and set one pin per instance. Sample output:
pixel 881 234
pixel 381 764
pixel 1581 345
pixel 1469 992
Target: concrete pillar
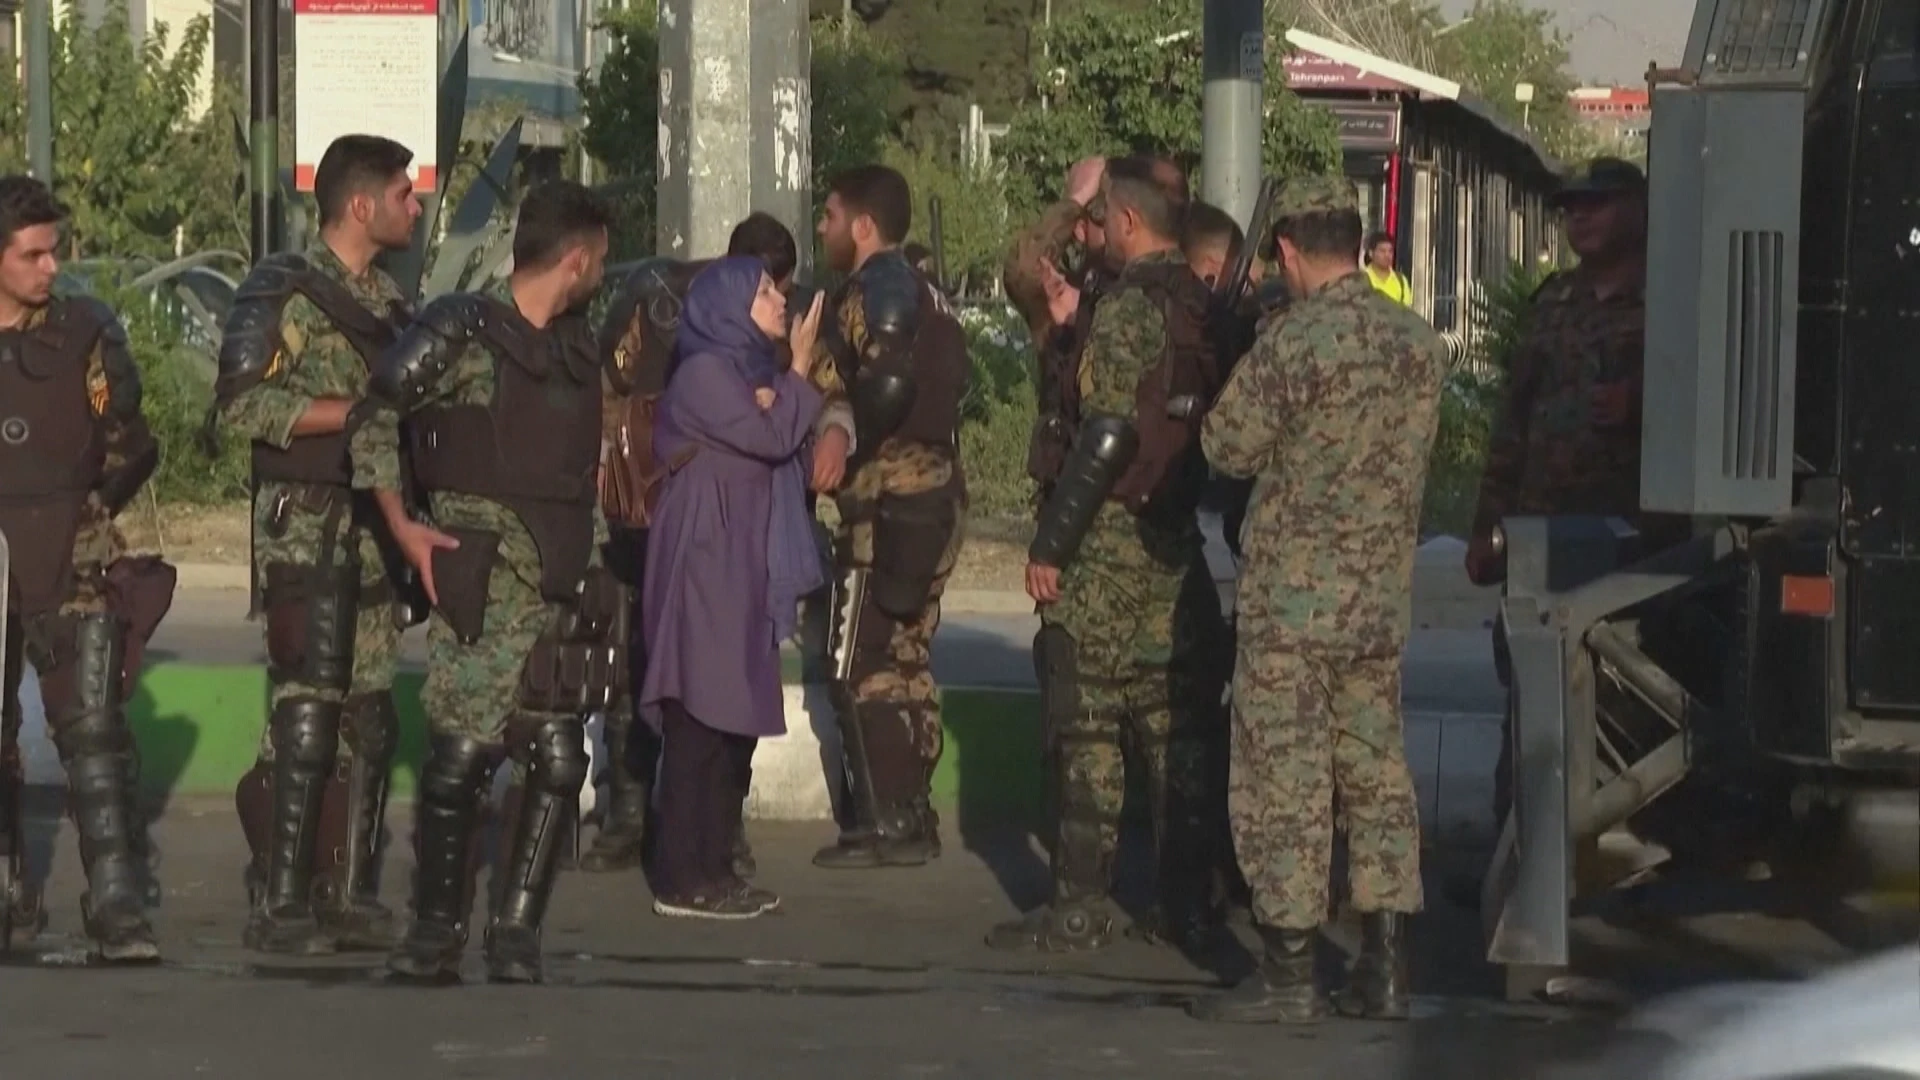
pixel 1231 103
pixel 735 113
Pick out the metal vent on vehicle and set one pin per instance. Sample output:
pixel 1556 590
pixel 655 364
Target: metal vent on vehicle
pixel 1760 39
pixel 1756 311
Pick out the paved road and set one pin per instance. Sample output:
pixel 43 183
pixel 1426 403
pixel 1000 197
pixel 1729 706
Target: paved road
pixel 861 976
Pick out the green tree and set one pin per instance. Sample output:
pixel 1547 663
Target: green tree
pixel 1500 44
pixel 973 213
pixel 1124 79
pixel 124 153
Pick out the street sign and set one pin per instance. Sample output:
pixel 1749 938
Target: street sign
pixel 366 67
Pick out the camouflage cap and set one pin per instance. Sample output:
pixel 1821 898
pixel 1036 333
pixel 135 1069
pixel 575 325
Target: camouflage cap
pixel 1603 176
pixel 1315 195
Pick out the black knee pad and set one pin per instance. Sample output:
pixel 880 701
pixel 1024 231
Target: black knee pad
pixel 372 726
pixel 555 752
pixel 305 731
pixel 456 771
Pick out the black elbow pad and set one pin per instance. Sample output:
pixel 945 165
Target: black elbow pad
pixel 1103 450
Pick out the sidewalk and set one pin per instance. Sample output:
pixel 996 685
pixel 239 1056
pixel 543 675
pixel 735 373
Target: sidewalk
pixel 860 975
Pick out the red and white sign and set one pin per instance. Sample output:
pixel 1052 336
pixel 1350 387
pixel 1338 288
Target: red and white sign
pixel 366 67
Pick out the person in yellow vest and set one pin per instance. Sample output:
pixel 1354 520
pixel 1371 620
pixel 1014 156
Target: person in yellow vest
pixel 1380 270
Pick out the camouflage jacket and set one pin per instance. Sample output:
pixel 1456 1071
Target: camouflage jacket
pixel 1333 413
pixel 316 360
pixel 468 380
pixel 1127 338
pixel 1546 454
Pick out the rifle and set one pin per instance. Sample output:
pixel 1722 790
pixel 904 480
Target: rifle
pixel 1228 291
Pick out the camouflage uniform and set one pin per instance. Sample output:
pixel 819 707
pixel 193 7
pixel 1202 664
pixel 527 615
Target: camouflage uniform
pixel 80 612
pixel 892 694
pixel 1143 617
pixel 510 666
pixel 319 531
pixel 1334 412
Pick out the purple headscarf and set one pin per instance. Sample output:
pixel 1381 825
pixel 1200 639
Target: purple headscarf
pixel 717 319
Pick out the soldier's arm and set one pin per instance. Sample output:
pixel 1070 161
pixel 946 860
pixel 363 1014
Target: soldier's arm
pixel 113 390
pixel 421 368
pixel 825 374
pixel 1127 329
pixel 1506 443
pixel 1250 415
pixel 1021 275
pixel 253 393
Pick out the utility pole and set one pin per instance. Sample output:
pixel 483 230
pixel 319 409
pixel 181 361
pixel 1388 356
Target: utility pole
pixel 39 58
pixel 1233 51
pixel 263 134
pixel 735 114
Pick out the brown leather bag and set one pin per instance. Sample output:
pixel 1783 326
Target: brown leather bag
pixel 631 477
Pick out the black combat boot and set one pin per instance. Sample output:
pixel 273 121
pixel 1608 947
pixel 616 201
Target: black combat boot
pixel 351 910
pixel 453 786
pixel 1377 986
pixel 621 841
pixel 21 915
pixel 555 753
pixel 896 839
pixel 305 732
pixel 1080 918
pixel 97 750
pixel 1281 991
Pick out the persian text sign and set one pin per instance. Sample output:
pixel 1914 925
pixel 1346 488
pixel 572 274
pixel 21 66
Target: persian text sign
pixel 366 67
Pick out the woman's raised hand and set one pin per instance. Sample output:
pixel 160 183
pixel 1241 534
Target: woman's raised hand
pixel 805 332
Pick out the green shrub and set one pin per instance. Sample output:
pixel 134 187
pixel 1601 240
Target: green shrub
pixel 997 415
pixel 177 387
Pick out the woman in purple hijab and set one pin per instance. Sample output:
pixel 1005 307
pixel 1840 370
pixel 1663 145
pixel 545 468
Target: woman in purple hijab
pixel 732 549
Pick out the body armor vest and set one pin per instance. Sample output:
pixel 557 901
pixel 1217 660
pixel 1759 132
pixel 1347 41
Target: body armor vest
pixel 938 360
pixel 1168 473
pixel 52 452
pixel 535 446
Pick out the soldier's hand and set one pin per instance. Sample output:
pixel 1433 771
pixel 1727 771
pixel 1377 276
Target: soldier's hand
pixel 418 541
pixel 829 460
pixel 1612 405
pixel 1483 562
pixel 1043 582
pixel 1063 300
pixel 1083 180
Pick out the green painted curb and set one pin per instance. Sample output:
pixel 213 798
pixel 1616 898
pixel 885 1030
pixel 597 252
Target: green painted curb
pixel 198 728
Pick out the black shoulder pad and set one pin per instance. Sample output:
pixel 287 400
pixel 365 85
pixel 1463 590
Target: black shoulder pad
pixel 882 398
pixel 892 296
pixel 1102 451
pixel 251 335
pixel 426 349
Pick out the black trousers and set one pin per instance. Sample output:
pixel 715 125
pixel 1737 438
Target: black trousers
pixel 703 781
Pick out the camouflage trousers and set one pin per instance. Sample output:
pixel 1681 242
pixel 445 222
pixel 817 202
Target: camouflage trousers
pixel 474 690
pixel 1312 731
pixel 895 700
pixel 1128 674
pixel 297 533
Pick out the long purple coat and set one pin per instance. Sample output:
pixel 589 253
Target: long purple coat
pixel 705 613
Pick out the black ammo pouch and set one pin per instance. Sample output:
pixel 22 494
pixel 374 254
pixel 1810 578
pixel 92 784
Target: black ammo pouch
pixel 591 617
pixel 461 576
pixel 310 622
pixel 574 678
pixel 910 538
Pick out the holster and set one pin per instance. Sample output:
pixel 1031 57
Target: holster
pixel 910 540
pixel 461 576
pixel 142 587
pixel 311 613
